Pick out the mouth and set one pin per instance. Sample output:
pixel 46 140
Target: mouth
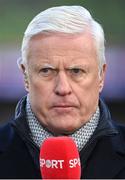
pixel 63 108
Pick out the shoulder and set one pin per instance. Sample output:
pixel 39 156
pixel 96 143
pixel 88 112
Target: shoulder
pixel 6 135
pixel 120 128
pixel 118 141
pixel 121 133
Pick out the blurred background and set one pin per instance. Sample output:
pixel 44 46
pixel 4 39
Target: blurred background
pixel 14 18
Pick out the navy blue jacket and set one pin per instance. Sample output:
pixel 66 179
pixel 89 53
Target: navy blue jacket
pixel 103 156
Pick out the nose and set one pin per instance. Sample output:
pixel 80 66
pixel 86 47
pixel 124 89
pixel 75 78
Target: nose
pixel 63 86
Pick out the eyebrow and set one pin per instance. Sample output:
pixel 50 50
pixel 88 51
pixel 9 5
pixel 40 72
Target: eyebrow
pixel 78 66
pixel 44 65
pixel 49 65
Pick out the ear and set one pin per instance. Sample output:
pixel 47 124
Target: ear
pixel 102 77
pixel 26 80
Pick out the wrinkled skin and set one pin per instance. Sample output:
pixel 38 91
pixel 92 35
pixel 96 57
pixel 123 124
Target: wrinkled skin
pixel 63 80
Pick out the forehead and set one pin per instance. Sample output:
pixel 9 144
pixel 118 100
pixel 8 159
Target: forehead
pixel 52 47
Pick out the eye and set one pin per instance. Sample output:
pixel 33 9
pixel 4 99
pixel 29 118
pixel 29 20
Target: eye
pixel 47 72
pixel 77 71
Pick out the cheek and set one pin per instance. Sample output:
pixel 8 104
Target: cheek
pixel 88 91
pixel 40 91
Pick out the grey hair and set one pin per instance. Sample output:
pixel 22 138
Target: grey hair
pixel 65 19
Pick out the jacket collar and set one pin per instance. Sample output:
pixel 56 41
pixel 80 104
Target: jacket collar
pixel 110 157
pixel 105 121
pixel 106 126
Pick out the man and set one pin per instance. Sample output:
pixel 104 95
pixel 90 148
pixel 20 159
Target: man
pixel 64 66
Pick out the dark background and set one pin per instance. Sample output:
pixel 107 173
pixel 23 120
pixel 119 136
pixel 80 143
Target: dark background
pixel 14 18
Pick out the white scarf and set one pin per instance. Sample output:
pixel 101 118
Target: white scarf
pixel 81 136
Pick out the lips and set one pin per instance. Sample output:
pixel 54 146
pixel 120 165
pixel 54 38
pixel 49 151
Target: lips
pixel 64 107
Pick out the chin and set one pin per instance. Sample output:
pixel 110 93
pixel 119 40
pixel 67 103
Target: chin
pixel 64 130
pixel 63 125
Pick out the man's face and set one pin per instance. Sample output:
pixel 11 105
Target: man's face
pixel 63 80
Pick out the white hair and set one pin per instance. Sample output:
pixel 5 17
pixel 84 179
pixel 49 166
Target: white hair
pixel 65 19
